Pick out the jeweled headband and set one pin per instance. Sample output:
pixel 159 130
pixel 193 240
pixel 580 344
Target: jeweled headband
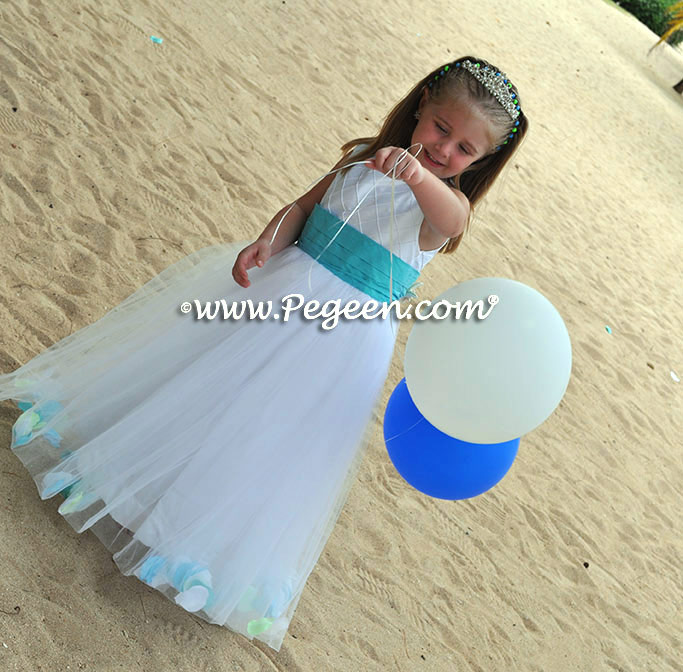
pixel 496 83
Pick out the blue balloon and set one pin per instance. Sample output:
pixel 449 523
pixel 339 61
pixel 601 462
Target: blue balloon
pixel 435 463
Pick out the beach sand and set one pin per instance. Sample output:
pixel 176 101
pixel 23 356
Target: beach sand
pixel 120 156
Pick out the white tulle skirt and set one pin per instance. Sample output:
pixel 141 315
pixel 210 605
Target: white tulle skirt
pixel 211 457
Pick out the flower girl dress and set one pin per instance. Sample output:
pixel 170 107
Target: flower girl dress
pixel 212 457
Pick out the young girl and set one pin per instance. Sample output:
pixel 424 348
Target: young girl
pixel 213 457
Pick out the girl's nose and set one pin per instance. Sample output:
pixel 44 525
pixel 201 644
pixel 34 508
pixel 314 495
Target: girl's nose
pixel 447 141
pixel 444 149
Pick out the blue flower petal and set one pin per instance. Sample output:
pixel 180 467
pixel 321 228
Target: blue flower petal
pixel 22 440
pixel 53 437
pixel 183 573
pixel 151 567
pixel 49 409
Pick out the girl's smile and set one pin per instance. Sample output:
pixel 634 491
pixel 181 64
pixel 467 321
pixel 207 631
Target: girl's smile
pixel 431 160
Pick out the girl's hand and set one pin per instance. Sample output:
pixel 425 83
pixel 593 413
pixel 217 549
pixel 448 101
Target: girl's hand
pixel 255 254
pixel 409 169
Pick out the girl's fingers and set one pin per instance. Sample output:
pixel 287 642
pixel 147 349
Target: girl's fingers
pixel 405 164
pixel 237 275
pixel 254 255
pixel 242 266
pixel 244 279
pixel 388 159
pixel 402 159
pixel 402 167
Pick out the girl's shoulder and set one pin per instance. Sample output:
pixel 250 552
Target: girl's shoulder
pixel 358 149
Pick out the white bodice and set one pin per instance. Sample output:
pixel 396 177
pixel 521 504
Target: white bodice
pixel 373 218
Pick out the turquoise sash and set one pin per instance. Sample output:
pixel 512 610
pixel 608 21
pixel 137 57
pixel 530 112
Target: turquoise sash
pixel 354 257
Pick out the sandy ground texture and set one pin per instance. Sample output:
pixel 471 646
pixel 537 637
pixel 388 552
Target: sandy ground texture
pixel 120 156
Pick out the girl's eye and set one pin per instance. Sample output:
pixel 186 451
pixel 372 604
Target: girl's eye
pixel 464 149
pixel 441 128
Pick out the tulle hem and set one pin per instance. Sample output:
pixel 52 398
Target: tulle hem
pixel 180 579
pixel 220 495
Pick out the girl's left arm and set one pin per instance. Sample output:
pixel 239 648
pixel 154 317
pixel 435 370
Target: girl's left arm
pixel 445 209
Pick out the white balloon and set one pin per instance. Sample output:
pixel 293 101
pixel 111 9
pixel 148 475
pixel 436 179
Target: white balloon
pixel 493 379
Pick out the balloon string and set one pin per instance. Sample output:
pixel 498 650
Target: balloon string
pixel 391 235
pixel 404 431
pixel 394 175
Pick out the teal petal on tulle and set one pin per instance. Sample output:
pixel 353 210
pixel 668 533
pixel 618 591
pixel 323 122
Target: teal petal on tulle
pixel 200 578
pixel 26 422
pixel 57 486
pixel 24 405
pixel 193 582
pixel 183 574
pixel 22 440
pixel 151 567
pixel 53 437
pixel 67 491
pixel 65 454
pixel 30 421
pixel 55 482
pixel 22 430
pixel 77 501
pixel 49 409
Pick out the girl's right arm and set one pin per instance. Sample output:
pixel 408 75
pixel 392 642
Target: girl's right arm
pixel 258 252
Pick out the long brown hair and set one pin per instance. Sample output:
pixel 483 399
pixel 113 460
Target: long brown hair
pixel 454 84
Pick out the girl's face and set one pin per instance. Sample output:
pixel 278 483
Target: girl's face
pixel 453 136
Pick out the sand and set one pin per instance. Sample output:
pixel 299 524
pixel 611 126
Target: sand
pixel 123 155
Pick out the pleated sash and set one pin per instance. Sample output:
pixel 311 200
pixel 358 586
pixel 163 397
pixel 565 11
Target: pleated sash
pixel 355 258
